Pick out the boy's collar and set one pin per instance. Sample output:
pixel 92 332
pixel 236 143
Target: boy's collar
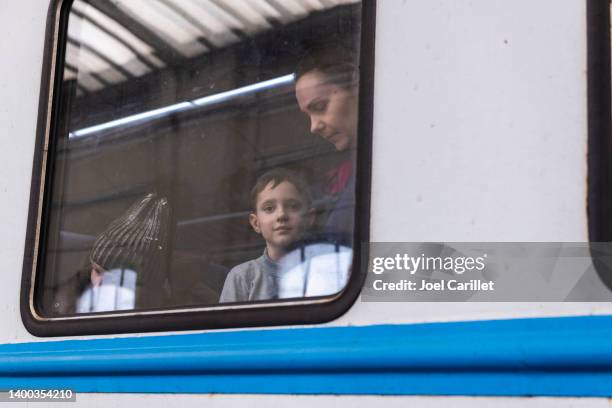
pixel 268 259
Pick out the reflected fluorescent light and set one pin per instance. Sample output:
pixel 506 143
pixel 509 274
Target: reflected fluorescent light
pixel 207 100
pixel 140 117
pixel 183 106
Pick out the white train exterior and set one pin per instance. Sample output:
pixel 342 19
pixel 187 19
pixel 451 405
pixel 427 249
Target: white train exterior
pixel 480 133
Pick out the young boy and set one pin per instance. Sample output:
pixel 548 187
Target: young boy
pixel 281 214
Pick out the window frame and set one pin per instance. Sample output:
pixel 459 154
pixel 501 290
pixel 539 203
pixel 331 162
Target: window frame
pixel 266 313
pixel 599 119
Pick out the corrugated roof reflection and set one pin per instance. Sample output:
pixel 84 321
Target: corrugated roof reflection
pixel 109 42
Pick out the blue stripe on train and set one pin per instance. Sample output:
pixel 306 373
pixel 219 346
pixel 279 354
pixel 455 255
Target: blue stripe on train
pixel 552 356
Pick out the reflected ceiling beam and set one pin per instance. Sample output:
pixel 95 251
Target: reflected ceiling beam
pixel 222 4
pixel 127 45
pixel 284 12
pixel 75 79
pixel 214 10
pixel 102 56
pixel 328 3
pixel 273 21
pixel 79 86
pixel 163 50
pixel 95 76
pixel 240 34
pixel 206 32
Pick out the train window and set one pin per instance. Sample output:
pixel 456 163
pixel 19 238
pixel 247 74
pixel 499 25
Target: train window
pixel 202 164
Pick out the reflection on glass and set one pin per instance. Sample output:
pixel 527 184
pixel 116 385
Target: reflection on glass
pixel 205 153
pixel 128 259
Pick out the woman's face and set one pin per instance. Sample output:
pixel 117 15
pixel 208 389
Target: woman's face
pixel 332 109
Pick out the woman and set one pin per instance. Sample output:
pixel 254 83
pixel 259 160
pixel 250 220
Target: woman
pixel 326 89
pixel 327 85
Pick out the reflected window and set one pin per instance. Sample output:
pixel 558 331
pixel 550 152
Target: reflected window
pixel 204 154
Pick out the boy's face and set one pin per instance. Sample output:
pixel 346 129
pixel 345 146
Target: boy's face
pixel 281 215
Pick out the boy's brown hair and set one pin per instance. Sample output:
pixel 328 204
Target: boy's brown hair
pixel 277 176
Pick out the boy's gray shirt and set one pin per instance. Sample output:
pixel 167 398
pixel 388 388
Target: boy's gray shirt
pixel 252 280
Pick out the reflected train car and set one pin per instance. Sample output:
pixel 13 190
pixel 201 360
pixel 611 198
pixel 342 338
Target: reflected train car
pixel 306 202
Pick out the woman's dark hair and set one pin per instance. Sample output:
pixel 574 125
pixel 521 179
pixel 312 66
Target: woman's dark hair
pixel 336 63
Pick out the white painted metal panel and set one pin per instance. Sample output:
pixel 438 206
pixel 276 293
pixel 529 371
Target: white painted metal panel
pixel 300 401
pixel 479 135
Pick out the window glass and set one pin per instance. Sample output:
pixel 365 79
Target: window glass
pixel 204 154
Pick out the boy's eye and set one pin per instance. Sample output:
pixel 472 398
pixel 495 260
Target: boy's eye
pixel 268 209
